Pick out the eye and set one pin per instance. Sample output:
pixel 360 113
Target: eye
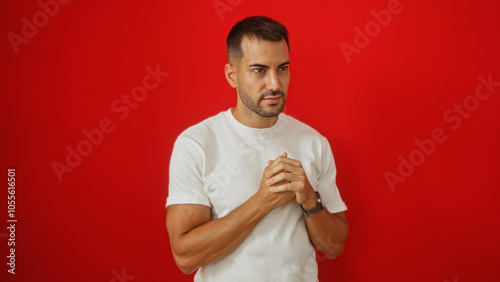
pixel 284 68
pixel 258 70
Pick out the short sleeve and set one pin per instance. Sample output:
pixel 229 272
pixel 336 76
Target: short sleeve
pixel 186 174
pixel 327 185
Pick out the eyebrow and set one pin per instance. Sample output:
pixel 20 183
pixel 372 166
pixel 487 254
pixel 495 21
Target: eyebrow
pixel 264 66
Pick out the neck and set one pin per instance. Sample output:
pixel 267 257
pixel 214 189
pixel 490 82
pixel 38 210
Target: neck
pixel 248 118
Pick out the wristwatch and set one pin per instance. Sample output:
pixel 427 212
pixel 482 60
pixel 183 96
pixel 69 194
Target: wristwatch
pixel 316 209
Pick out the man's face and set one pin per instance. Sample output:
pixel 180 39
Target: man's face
pixel 263 76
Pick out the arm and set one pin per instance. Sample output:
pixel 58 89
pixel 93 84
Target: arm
pixel 327 231
pixel 197 241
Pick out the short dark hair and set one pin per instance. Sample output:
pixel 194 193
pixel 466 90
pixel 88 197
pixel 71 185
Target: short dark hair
pixel 259 27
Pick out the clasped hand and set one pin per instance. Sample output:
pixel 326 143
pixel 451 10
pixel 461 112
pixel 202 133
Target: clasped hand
pixel 287 175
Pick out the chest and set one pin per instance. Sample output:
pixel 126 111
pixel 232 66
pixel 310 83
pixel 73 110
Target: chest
pixel 234 169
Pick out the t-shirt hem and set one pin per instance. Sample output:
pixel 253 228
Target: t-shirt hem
pixel 178 200
pixel 336 207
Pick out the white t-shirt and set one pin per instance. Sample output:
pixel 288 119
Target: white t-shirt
pixel 219 163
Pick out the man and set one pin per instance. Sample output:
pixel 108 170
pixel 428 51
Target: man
pixel 242 202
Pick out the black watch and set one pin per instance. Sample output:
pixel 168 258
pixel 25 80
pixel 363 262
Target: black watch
pixel 317 208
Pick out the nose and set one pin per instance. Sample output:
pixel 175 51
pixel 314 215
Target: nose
pixel 272 81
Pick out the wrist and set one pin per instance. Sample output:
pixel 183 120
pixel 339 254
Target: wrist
pixel 317 208
pixel 311 201
pixel 262 206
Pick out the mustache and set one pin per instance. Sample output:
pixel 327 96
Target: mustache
pixel 271 93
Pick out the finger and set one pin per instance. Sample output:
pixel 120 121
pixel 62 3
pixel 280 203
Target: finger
pixel 271 161
pixel 276 179
pixel 288 160
pixel 282 158
pixel 284 177
pixel 285 187
pixel 285 165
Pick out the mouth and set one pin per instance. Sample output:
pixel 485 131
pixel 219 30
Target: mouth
pixel 271 100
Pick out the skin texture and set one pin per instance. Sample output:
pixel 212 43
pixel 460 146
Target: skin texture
pixel 195 239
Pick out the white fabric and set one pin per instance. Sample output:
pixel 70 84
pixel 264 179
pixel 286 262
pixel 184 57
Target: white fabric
pixel 219 163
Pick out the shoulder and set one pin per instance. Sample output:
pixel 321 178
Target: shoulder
pixel 203 131
pixel 301 129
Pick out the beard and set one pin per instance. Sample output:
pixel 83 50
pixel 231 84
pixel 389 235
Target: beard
pixel 257 108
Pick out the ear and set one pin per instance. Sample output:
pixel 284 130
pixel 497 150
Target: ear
pixel 230 72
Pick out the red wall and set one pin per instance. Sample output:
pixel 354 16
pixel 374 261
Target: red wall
pixel 426 212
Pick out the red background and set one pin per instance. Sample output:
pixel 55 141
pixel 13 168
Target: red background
pixel 107 217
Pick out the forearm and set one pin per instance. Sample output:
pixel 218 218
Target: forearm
pixel 217 238
pixel 327 232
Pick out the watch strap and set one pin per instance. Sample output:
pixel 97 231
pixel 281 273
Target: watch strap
pixel 316 209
